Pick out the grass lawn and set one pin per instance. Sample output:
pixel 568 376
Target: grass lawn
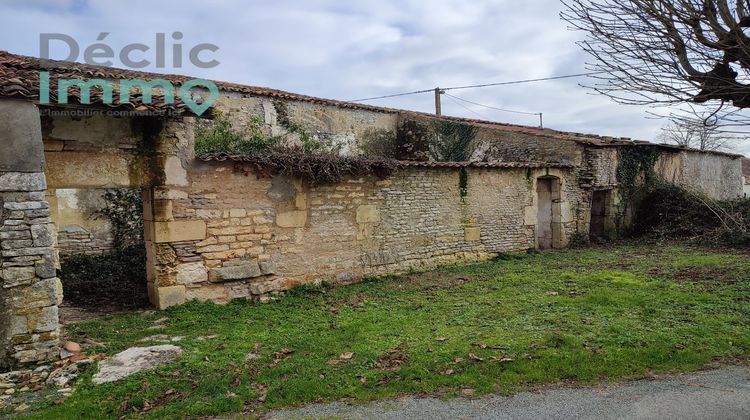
pixel 518 322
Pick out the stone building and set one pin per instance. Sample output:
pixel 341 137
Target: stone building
pixel 217 230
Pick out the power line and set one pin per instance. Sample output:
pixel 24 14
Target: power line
pixel 393 96
pixel 514 82
pixel 453 98
pixel 492 107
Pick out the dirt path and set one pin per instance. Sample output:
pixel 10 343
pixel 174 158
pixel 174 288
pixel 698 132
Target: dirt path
pixel 717 394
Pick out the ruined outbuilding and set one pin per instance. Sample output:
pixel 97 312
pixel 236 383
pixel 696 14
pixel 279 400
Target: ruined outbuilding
pixel 216 230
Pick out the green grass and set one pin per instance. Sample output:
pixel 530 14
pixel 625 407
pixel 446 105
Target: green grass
pixel 573 316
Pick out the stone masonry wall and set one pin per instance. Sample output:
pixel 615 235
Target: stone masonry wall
pixel 228 234
pixel 718 176
pixel 29 289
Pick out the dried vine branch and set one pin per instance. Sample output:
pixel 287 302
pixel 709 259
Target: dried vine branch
pixel 317 169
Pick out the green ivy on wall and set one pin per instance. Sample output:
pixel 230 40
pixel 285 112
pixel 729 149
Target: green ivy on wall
pixel 124 210
pixel 636 165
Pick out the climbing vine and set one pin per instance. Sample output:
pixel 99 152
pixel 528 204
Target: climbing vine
pixel 636 165
pixel 124 210
pixel 452 141
pixel 463 184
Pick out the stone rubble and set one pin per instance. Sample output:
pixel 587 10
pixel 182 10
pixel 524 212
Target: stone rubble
pixel 21 387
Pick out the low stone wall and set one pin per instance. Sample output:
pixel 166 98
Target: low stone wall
pixel 81 228
pixel 31 289
pixel 232 235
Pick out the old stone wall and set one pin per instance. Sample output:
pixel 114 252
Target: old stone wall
pixel 718 176
pixel 81 229
pixel 228 234
pixel 512 146
pixel 338 127
pixel 29 289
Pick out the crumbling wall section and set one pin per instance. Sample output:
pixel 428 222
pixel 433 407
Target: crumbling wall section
pixel 29 289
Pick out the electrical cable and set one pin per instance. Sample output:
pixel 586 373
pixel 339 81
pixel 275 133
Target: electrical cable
pixel 514 82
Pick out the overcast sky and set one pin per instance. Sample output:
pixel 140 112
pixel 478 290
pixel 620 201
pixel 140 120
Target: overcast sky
pixel 355 49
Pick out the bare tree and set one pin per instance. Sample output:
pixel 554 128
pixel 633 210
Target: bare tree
pixel 667 51
pixel 696 134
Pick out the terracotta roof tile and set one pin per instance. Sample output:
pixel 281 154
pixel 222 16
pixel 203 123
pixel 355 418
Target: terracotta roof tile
pixel 19 78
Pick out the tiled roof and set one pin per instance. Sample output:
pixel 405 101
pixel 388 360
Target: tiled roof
pixel 19 78
pixel 221 157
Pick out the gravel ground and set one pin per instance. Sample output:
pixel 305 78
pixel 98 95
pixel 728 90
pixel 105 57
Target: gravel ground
pixel 717 394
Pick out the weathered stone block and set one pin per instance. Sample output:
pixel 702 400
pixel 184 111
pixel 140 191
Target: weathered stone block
pixel 21 137
pixel 225 255
pixel 174 173
pixel 48 321
pixel 15 244
pixel 162 210
pixel 191 273
pixel 472 234
pixel 267 267
pixel 21 181
pixel 237 272
pixel 161 193
pixel 170 296
pixel 208 214
pixel 261 288
pixel 178 231
pixel 213 248
pixel 58 291
pixel 42 235
pixel 18 325
pixel 237 213
pixel 46 268
pixel 41 294
pixel 214 292
pixel 297 218
pixel 16 276
pixel 368 214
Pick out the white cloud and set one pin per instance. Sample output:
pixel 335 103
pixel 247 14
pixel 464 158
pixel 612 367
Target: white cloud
pixel 348 50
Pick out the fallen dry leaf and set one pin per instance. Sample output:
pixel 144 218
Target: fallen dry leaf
pixel 334 362
pixel 502 359
pixel 448 372
pixel 475 358
pixel 441 339
pixel 346 356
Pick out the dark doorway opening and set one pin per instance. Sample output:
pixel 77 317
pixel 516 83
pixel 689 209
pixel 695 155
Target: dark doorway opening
pixel 599 213
pixel 101 273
